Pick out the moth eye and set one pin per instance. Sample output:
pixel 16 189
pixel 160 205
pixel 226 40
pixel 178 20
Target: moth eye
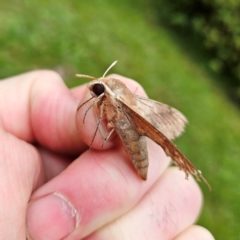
pixel 98 89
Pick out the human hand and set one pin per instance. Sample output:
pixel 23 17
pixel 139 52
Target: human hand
pixel 97 196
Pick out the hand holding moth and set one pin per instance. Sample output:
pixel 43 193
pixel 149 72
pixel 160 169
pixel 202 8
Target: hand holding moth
pixel 52 187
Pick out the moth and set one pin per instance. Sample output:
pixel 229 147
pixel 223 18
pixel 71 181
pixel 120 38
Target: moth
pixel 134 118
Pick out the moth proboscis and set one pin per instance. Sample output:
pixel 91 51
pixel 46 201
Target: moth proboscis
pixel 134 118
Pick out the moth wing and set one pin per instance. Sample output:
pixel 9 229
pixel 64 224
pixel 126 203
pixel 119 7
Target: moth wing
pixel 166 119
pixel 147 129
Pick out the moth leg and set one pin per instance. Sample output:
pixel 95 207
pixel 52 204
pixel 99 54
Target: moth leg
pixel 108 136
pixel 103 129
pixel 84 103
pixel 99 121
pixel 95 101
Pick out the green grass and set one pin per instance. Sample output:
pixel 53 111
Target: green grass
pixel 87 36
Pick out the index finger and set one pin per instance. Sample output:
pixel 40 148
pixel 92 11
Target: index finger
pixel 38 107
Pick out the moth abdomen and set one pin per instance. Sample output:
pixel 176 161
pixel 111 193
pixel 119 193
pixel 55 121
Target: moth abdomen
pixel 134 144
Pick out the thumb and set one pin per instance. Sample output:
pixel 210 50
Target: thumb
pixel 20 173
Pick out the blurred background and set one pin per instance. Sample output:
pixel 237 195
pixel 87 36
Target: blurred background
pixel 185 54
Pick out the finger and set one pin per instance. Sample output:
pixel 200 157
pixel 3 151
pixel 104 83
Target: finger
pixel 53 163
pixel 87 117
pixel 21 172
pixel 37 106
pixel 170 206
pixel 195 232
pixel 95 189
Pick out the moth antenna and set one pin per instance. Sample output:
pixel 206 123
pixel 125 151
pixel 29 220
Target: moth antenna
pixel 202 177
pixel 84 76
pixel 109 68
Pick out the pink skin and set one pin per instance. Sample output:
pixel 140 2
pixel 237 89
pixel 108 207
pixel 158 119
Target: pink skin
pixel 60 198
pixel 158 215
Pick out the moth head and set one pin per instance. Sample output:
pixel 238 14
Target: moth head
pixel 96 88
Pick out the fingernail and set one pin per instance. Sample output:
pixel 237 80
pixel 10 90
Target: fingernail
pixel 51 217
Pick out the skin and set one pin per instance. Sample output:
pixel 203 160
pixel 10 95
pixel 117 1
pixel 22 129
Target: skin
pixel 52 187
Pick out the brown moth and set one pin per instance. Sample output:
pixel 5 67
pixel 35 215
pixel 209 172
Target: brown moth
pixel 134 118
